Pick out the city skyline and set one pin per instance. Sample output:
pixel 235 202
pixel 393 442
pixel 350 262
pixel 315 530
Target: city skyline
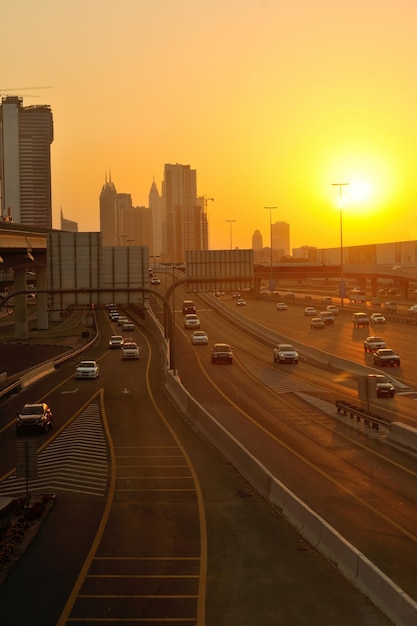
pixel 272 103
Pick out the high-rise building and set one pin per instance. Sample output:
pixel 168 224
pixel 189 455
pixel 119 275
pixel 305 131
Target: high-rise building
pixel 257 241
pixel 185 219
pixel 26 134
pixel 68 225
pixel 280 235
pixel 158 221
pixel 108 214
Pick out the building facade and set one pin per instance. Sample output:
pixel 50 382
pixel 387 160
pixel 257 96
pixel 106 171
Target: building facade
pixel 280 235
pixel 186 224
pixel 26 134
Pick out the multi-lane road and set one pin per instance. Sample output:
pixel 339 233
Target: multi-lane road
pixel 150 524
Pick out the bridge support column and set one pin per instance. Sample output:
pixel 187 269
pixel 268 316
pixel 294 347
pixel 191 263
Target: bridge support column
pixel 42 322
pixel 20 307
pixel 403 289
pixel 374 287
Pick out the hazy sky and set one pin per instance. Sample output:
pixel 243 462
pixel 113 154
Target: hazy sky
pixel 271 101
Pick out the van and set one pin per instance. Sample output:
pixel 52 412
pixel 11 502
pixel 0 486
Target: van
pixel 188 306
pixel 360 319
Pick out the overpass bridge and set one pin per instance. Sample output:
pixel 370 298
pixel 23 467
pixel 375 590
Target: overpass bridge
pixel 367 277
pixel 24 248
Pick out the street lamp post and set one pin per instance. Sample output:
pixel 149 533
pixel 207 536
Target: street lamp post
pixel 271 282
pixel 231 222
pixel 342 286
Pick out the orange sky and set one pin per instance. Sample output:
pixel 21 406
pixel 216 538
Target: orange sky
pixel 271 101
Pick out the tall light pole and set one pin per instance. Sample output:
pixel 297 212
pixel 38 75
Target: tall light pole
pixel 271 282
pixel 342 286
pixel 231 222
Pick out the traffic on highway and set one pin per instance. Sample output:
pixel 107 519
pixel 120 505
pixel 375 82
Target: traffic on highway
pixel 140 459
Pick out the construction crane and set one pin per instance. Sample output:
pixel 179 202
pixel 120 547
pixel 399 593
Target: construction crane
pixel 9 91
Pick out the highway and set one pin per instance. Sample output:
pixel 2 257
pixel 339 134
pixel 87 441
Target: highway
pixel 254 398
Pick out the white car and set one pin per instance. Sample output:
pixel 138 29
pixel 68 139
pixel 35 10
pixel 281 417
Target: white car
pixel 282 306
pixel 377 318
pixel 371 344
pixel 317 323
pixel 116 341
pixel 285 353
pixel 191 320
pixel 241 302
pixel 129 325
pixel 199 338
pixel 87 369
pixel 413 309
pixel 130 350
pixel 332 309
pixel 310 311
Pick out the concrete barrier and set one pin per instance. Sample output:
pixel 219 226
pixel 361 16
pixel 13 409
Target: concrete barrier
pixel 403 435
pixel 36 373
pixel 356 568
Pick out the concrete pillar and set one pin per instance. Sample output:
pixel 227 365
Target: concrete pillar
pixel 20 306
pixel 42 322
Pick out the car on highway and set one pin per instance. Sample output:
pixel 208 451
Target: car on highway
pixel 122 319
pixel 360 319
pixel 116 341
pixel 87 369
pixel 155 281
pixel 327 299
pixel 412 308
pixel 191 320
pixel 390 306
pixel 291 294
pixel 383 387
pixel 221 353
pixel 386 356
pixel 332 309
pixel 285 353
pixel 327 317
pixel 377 318
pixel 241 302
pixel 373 343
pixel 310 311
pixel 114 316
pixel 235 294
pixel 199 338
pixel 130 350
pixel 34 417
pixel 129 325
pixel 188 306
pixel 282 306
pixel 317 323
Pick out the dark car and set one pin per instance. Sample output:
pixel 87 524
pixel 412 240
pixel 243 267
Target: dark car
pixel 386 356
pixel 221 353
pixel 383 387
pixel 34 417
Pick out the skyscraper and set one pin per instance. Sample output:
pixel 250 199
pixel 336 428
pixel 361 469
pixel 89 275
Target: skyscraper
pixel 185 219
pixel 280 232
pixel 108 214
pixel 257 241
pixel 26 134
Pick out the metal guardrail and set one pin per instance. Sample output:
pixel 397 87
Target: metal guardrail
pixel 16 383
pixel 354 412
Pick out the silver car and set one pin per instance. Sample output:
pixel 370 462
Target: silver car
pixel 87 369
